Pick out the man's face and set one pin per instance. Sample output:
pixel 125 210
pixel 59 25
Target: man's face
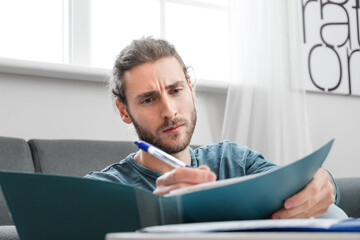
pixel 160 104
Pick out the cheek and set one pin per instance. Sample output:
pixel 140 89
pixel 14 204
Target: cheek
pixel 187 105
pixel 147 118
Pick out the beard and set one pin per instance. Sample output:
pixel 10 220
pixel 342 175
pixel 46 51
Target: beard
pixel 180 144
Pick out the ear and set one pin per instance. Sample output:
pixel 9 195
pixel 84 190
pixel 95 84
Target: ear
pixel 191 88
pixel 123 112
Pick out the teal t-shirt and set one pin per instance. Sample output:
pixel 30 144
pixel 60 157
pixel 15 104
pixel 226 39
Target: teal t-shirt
pixel 226 159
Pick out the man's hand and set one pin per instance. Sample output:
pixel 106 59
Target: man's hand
pixel 314 200
pixel 183 177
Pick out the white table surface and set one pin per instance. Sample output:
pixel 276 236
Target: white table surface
pixel 234 235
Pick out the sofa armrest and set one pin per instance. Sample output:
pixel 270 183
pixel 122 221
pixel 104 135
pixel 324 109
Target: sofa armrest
pixel 350 195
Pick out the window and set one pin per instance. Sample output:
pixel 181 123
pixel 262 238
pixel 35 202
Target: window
pixel 201 36
pixel 115 23
pixel 92 32
pixel 32 30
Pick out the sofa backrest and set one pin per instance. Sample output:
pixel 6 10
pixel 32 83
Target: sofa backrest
pixel 349 195
pixel 14 156
pixel 77 157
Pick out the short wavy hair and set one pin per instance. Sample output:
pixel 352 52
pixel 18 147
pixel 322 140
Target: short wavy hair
pixel 144 50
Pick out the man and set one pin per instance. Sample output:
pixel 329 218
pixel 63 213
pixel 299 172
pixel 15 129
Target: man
pixel 152 89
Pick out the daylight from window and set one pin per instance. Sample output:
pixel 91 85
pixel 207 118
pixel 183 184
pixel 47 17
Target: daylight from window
pixel 44 31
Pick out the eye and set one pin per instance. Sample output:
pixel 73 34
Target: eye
pixel 175 91
pixel 147 101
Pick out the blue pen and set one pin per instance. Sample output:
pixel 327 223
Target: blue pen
pixel 156 152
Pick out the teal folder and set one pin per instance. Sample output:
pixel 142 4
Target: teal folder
pixel 59 207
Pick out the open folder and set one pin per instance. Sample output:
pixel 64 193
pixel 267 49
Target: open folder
pixel 59 207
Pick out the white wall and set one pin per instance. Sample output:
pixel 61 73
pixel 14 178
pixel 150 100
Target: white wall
pixel 53 108
pixel 35 107
pixel 49 108
pixel 337 116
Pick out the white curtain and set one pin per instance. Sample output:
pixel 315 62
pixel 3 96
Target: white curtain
pixel 266 105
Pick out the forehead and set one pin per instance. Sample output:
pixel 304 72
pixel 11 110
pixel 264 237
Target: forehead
pixel 153 76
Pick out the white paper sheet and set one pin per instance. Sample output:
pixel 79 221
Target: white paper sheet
pixel 219 183
pixel 243 225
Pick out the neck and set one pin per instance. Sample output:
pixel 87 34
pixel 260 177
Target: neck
pixel 153 163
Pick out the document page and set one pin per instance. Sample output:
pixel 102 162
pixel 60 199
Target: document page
pixel 226 226
pixel 215 184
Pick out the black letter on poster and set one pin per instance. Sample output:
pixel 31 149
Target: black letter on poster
pixel 303 6
pixel 309 67
pixel 349 68
pixel 341 5
pixel 357 7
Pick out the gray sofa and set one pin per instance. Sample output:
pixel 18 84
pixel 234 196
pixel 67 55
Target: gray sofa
pixel 61 157
pixel 78 157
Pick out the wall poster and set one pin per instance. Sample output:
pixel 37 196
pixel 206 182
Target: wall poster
pixel 331 37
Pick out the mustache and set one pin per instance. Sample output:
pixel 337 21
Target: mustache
pixel 172 122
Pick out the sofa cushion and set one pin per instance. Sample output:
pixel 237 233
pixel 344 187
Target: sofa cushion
pixel 350 195
pixel 14 156
pixel 77 157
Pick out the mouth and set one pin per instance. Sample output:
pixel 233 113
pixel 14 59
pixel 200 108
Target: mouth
pixel 173 129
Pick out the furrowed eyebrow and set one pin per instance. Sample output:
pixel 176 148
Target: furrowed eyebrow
pixel 175 84
pixel 154 93
pixel 145 95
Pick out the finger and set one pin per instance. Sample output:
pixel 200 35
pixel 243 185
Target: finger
pixel 310 190
pixel 304 209
pixel 297 210
pixel 162 190
pixel 187 175
pixel 311 208
pixel 315 192
pixel 319 209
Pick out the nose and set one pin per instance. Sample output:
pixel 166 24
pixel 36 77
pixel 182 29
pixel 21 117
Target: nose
pixel 168 108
